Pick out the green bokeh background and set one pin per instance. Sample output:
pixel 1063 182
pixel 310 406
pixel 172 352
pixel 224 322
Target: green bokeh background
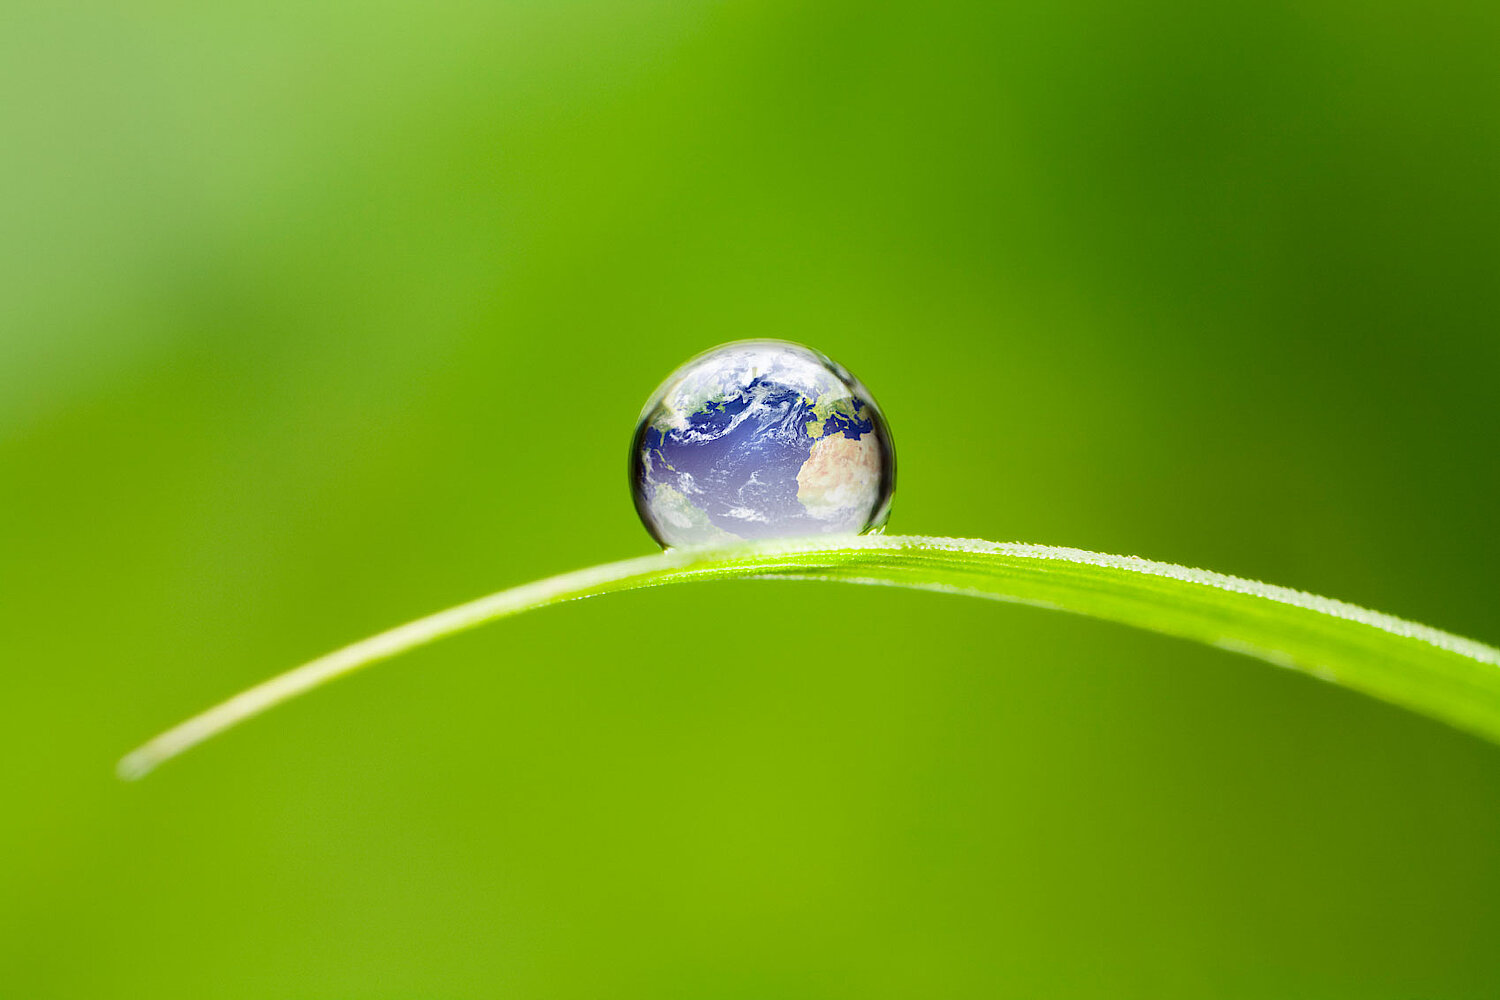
pixel 315 317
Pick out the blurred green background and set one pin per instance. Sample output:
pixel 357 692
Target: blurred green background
pixel 315 317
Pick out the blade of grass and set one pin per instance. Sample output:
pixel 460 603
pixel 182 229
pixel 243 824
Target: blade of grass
pixel 1435 673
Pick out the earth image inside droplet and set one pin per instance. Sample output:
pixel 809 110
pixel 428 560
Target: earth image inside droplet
pixel 761 439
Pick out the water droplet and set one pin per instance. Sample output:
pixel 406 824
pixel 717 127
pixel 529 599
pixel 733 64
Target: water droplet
pixel 760 439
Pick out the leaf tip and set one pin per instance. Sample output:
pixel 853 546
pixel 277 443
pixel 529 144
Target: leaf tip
pixel 135 766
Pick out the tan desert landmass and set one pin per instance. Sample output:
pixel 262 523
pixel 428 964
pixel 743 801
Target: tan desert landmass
pixel 841 473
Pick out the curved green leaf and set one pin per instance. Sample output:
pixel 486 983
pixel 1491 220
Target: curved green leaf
pixel 1436 673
